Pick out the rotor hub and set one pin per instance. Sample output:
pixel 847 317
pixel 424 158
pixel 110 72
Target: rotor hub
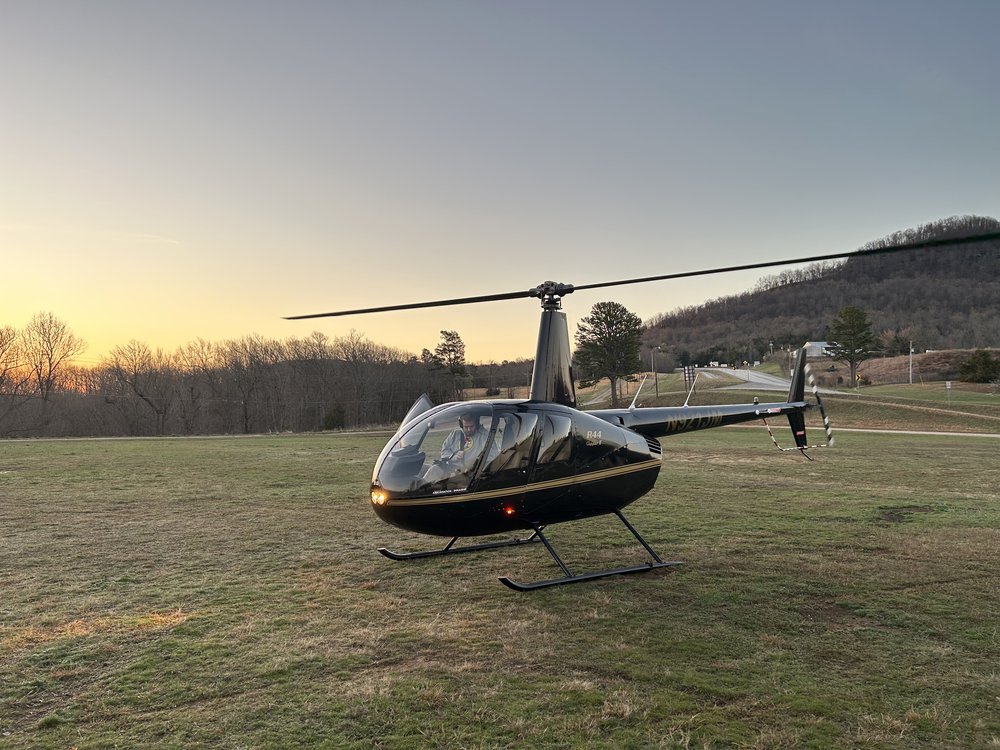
pixel 551 294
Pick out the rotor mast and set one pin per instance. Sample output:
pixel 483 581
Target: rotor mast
pixel 552 377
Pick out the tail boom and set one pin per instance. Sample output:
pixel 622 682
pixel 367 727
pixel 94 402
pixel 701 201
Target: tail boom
pixel 673 420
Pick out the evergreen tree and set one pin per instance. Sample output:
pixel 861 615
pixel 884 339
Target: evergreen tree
pixel 451 352
pixel 852 338
pixel 608 343
pixel 980 367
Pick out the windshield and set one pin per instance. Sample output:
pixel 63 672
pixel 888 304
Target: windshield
pixel 440 453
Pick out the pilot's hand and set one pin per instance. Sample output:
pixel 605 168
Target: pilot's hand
pixel 459 455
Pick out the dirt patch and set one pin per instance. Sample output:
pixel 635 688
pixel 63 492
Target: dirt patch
pixel 902 513
pixel 939 365
pixel 837 616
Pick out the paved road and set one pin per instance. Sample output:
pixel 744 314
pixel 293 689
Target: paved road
pixel 752 379
pixel 757 381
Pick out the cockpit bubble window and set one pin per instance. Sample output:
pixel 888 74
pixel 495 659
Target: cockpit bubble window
pixel 556 444
pixel 439 453
pixel 513 439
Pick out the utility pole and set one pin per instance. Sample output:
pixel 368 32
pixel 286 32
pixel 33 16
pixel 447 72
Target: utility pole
pixel 911 362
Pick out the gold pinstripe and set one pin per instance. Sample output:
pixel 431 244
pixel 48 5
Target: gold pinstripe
pixel 592 476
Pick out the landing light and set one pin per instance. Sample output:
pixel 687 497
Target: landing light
pixel 509 510
pixel 379 497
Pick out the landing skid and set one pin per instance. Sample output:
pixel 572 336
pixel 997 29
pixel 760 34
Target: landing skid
pixel 569 577
pixel 450 549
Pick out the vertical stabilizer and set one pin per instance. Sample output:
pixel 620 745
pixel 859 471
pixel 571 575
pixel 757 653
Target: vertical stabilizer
pixel 797 393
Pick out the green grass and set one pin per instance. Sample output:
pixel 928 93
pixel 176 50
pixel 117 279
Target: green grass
pixel 969 408
pixel 213 593
pixel 977 412
pixel 960 393
pixel 774 367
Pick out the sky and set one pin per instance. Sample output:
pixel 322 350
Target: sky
pixel 185 170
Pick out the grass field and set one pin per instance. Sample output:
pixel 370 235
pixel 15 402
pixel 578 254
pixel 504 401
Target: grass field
pixel 966 407
pixel 226 593
pixel 975 394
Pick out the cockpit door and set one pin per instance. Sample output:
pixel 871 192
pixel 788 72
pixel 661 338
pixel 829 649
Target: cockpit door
pixel 555 448
pixel 420 406
pixel 509 460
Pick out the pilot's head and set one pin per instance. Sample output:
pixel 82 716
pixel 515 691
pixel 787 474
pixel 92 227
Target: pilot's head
pixel 469 423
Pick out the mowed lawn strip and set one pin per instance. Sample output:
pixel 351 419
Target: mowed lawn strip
pixel 227 593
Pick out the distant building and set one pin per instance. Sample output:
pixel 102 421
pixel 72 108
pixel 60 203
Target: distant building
pixel 817 348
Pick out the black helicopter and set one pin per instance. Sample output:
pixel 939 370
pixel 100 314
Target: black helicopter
pixel 479 468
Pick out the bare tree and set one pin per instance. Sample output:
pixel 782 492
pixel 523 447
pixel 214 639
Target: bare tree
pixel 249 364
pixel 310 381
pixel 202 386
pixel 48 345
pixel 273 396
pixel 9 358
pixel 15 377
pixel 151 376
pixel 361 358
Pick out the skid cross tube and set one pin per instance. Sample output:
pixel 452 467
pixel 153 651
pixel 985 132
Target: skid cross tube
pixel 449 549
pixel 569 577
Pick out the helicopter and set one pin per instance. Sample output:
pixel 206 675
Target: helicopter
pixel 501 466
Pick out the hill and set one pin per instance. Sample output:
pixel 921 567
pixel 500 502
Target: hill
pixel 932 366
pixel 938 298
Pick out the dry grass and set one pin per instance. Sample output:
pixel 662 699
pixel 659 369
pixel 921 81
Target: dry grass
pixel 226 593
pixel 34 636
pixel 928 366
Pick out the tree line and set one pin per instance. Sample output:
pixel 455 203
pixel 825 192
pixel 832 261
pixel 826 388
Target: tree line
pixel 247 385
pixel 260 385
pixel 255 384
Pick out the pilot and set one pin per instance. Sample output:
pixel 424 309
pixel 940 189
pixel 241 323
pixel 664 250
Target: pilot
pixel 460 449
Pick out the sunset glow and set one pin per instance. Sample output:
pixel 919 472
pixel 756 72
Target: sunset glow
pixel 174 172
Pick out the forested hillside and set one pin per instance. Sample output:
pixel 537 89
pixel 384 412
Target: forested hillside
pixel 937 297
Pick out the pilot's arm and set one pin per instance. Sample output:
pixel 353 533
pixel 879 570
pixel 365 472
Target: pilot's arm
pixel 452 447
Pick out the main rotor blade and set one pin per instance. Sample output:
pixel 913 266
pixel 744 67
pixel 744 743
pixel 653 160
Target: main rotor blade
pixel 559 289
pixel 415 305
pixel 813 259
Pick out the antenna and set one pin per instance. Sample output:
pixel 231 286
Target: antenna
pixel 693 383
pixel 637 392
